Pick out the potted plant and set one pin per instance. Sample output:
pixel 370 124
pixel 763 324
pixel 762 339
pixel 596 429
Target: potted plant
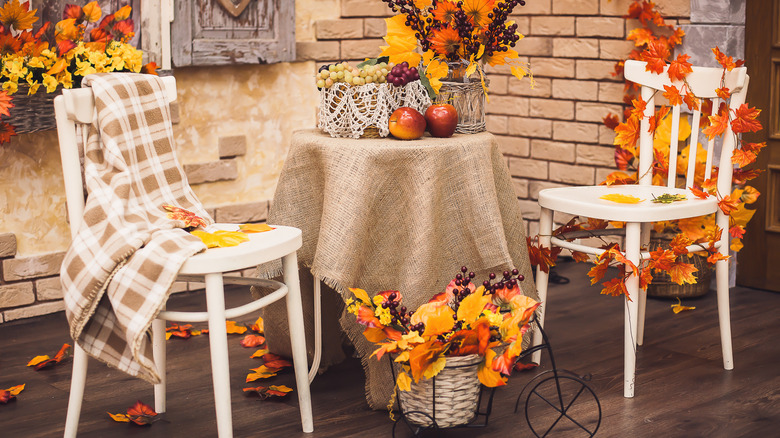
pixel 452 41
pixel 36 64
pixel 463 336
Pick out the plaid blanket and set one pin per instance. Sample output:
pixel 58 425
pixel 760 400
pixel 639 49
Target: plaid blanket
pixel 118 271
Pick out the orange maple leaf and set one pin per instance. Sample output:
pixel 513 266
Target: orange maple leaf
pixel 741 176
pixel 251 341
pixel 723 93
pixel 619 178
pixel 727 205
pixel 679 68
pixel 726 61
pixel 745 120
pixel 623 159
pixel 716 256
pixel 232 327
pixel 542 256
pixel 659 115
pixel 639 106
pixel 682 273
pixel 675 39
pixel 737 231
pixel 661 259
pixel 640 36
pixel 672 94
pixel 141 414
pixel 270 391
pixel 655 56
pixel 275 361
pixel 699 193
pixel 150 68
pixel 742 157
pixel 615 287
pixel 627 133
pixel 691 101
pixel 718 124
pixel 5 103
pixel 43 362
pixel 679 244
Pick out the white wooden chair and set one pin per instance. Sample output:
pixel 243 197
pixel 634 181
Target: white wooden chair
pixel 76 107
pixel 584 201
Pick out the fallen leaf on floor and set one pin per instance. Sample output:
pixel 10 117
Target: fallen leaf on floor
pixel 233 328
pixel 677 308
pixel 140 414
pixel 622 199
pixel 274 361
pixel 261 372
pixel 42 362
pixel 259 353
pixel 258 326
pixel 525 366
pixel 270 391
pixel 250 341
pixel 10 394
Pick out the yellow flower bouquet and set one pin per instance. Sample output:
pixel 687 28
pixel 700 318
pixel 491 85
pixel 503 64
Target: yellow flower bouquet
pixel 59 56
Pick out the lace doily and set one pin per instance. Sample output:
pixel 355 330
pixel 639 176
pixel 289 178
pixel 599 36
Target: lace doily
pixel 348 110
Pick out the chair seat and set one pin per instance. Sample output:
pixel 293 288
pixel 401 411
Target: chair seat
pixel 261 247
pixel 586 201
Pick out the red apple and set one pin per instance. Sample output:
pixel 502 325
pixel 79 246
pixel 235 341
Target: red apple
pixel 407 123
pixel 442 119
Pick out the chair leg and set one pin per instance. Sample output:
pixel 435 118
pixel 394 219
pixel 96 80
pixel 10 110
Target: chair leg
pixel 632 311
pixel 542 279
pixel 640 332
pixel 722 283
pixel 220 365
pixel 298 339
pixel 77 382
pixel 315 363
pixel 158 350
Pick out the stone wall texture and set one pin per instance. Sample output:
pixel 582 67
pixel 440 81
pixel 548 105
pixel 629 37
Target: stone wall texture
pixel 235 122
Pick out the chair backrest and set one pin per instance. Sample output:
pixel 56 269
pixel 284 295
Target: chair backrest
pixel 74 107
pixel 703 83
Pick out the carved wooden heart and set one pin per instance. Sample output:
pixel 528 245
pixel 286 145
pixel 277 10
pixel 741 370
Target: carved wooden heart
pixel 232 8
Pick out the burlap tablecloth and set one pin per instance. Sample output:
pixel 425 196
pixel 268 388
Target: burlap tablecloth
pixel 383 214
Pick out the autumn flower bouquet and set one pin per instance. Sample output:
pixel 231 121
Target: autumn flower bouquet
pixel 453 37
pixel 61 55
pixel 487 321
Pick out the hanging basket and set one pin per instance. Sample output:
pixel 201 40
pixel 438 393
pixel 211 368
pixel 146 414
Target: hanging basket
pixel 449 399
pixel 32 113
pixel 662 285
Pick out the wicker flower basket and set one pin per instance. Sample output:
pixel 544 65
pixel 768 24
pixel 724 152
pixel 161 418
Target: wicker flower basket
pixel 364 110
pixel 663 286
pixel 452 402
pixel 33 112
pixel 468 98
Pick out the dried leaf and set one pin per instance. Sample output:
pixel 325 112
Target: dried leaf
pixel 255 228
pixel 232 328
pixel 261 372
pixel 189 218
pixel 38 359
pixel 622 199
pixel 259 353
pixel 121 418
pixel 274 361
pixel 142 414
pixel 525 366
pixel 220 238
pixel 251 341
pixel 10 394
pixel 677 308
pixel 258 326
pixel 668 198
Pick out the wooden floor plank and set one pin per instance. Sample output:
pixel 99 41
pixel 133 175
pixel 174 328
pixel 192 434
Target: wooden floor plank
pixel 681 390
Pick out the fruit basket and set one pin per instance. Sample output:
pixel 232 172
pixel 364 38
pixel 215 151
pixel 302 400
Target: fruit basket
pixel 357 102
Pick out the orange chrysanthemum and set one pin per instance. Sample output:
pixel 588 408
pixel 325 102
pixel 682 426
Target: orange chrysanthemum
pixel 445 41
pixel 445 11
pixel 478 10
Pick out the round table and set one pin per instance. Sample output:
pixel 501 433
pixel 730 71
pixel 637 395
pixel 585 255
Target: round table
pixel 386 214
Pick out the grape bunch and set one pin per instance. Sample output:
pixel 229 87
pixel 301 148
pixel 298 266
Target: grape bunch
pixel 330 74
pixel 401 74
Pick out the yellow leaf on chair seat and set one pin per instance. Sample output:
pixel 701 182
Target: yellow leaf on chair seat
pixel 623 199
pixel 220 238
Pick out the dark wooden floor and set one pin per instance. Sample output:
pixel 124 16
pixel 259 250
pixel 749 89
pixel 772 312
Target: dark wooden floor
pixel 682 389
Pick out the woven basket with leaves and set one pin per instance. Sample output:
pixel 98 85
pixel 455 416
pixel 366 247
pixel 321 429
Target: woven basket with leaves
pixel 33 112
pixel 451 402
pixel 662 285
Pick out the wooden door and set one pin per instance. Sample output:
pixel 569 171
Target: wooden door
pixel 759 260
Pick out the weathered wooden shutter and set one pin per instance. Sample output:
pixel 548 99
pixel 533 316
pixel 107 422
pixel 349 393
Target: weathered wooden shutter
pixel 220 32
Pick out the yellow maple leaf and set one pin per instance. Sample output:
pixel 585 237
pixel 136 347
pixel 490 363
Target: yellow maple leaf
pixel 259 353
pixel 404 381
pixel 261 372
pixel 677 308
pixel 255 228
pixel 280 388
pixel 742 215
pixel 220 238
pixel 736 245
pixel 401 42
pixel 622 199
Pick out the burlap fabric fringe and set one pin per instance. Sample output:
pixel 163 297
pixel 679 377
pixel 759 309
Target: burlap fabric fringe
pixel 347 110
pixel 385 214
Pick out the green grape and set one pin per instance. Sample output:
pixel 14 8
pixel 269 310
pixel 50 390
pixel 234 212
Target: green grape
pixel 328 83
pixel 331 67
pixel 320 83
pixel 340 74
pixel 334 75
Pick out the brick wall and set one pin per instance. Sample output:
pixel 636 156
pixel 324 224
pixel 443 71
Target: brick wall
pixel 551 135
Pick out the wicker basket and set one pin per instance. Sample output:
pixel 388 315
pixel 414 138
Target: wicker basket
pixel 663 286
pixel 34 112
pixel 456 395
pixel 468 98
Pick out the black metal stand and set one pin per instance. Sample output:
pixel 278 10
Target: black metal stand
pixel 562 402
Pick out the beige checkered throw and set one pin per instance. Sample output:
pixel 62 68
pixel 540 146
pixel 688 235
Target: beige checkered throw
pixel 118 271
